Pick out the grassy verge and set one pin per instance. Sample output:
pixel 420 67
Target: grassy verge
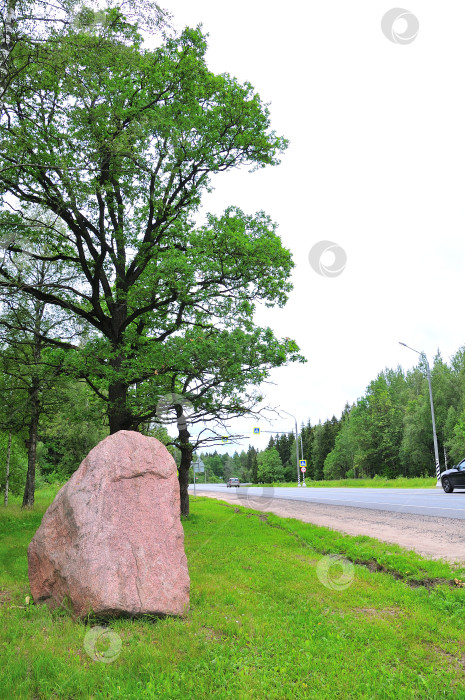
pixel 272 616
pixel 378 482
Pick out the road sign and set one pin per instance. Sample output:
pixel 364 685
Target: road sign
pixel 303 462
pixel 303 469
pixel 256 431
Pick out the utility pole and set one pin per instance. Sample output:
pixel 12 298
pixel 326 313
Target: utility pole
pixel 435 439
pixel 296 444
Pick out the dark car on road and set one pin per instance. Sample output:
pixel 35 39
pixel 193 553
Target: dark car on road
pixel 454 478
pixel 233 482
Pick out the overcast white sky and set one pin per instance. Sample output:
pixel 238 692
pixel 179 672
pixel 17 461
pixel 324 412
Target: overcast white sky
pixel 376 164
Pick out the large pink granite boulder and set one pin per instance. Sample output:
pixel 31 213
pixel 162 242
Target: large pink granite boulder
pixel 112 541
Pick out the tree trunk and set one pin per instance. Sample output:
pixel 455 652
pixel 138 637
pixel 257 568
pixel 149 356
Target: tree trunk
pixel 7 470
pixel 186 460
pixel 29 490
pixel 119 416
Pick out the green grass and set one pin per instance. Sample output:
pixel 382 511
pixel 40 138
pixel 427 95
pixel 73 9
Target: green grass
pixel 261 624
pixel 378 482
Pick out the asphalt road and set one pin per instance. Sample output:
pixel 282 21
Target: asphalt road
pixel 432 502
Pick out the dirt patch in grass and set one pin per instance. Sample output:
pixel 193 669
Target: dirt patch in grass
pixel 211 633
pixel 5 596
pixel 376 612
pixel 374 566
pixel 456 660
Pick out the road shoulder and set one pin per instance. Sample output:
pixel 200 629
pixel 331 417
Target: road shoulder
pixel 434 537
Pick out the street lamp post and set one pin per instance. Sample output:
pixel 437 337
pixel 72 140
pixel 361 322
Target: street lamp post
pixel 301 457
pixel 296 444
pixel 435 439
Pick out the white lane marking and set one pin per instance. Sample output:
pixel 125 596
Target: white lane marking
pixel 352 500
pixel 379 503
pixel 410 492
pixel 398 492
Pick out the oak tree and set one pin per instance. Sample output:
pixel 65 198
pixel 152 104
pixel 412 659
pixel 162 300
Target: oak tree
pixel 116 144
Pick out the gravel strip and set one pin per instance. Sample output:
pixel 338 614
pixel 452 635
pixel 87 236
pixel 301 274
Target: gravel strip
pixel 432 537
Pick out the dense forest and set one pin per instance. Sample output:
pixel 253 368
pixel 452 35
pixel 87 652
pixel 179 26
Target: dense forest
pixel 387 432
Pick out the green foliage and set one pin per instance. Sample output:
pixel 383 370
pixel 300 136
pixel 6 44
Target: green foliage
pixel 307 434
pixel 214 464
pixel 340 461
pixel 416 449
pixel 269 466
pixel 252 465
pixel 389 430
pixel 324 437
pixel 18 464
pixel 285 445
pixel 68 435
pixel 228 468
pixel 456 440
pixel 377 420
pixel 221 467
pixel 131 138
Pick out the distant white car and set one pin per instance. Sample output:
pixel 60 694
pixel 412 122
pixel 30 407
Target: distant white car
pixel 233 482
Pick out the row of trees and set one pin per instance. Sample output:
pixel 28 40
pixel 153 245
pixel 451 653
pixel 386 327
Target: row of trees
pixel 387 432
